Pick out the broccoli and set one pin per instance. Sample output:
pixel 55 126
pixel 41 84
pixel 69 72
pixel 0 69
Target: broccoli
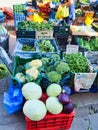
pixel 53 77
pixel 55 57
pixel 62 67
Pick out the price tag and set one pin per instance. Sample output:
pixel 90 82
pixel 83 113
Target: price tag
pixel 72 49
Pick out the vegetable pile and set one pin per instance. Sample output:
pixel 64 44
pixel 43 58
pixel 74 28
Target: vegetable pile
pixel 3 71
pixel 28 48
pixel 45 46
pixel 28 25
pixel 89 43
pixel 77 62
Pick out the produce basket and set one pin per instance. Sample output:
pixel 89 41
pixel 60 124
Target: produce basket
pixel 61 30
pixel 25 34
pixel 62 42
pixel 18 62
pixel 44 52
pixel 19 8
pixel 19 17
pixel 25 47
pixel 88 43
pixel 44 34
pixel 60 121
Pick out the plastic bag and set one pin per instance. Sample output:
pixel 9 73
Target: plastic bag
pixel 62 12
pixel 13 99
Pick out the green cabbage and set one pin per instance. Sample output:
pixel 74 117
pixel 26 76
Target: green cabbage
pixel 53 105
pixel 31 90
pixel 34 109
pixel 53 90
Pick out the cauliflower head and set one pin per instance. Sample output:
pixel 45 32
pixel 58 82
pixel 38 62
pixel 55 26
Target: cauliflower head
pixel 32 74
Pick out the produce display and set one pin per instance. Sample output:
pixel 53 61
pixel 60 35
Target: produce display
pixel 45 46
pixel 28 25
pixel 89 43
pixel 28 48
pixel 3 71
pixel 77 63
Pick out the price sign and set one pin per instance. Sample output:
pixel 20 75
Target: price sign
pixel 72 49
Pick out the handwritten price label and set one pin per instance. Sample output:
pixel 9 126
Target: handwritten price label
pixel 72 49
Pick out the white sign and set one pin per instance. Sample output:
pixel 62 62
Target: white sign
pixel 83 80
pixel 72 49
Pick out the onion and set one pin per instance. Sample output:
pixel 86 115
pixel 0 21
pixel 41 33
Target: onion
pixel 68 108
pixel 64 98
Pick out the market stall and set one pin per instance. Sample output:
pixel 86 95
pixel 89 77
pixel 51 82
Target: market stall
pixel 50 64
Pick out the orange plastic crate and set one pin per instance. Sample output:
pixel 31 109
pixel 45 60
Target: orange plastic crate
pixel 60 121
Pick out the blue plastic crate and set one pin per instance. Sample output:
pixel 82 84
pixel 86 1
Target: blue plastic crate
pixel 48 54
pixel 19 17
pixel 25 41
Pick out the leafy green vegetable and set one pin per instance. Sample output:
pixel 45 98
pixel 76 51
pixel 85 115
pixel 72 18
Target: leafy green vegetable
pixel 28 48
pixel 89 43
pixel 77 62
pixel 28 25
pixel 45 46
pixel 3 71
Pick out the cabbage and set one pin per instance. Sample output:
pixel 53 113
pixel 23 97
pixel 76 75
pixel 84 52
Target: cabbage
pixel 31 90
pixel 53 90
pixel 34 109
pixel 53 105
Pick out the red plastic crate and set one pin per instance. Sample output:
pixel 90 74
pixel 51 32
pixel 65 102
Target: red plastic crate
pixel 60 121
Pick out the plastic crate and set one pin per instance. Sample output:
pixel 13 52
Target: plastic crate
pixel 61 30
pixel 60 121
pixel 48 54
pixel 25 34
pixel 19 17
pixel 44 34
pixel 18 62
pixel 25 41
pixel 62 42
pixel 19 8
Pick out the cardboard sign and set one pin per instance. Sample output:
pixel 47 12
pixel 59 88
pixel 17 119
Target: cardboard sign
pixel 84 80
pixel 72 49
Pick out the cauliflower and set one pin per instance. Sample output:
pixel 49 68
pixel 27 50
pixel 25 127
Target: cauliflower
pixel 34 63
pixel 62 67
pixel 32 74
pixel 21 77
pixel 53 76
